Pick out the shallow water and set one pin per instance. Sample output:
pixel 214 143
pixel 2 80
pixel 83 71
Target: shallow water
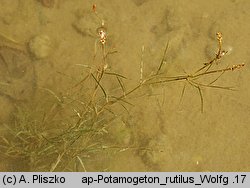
pixel 161 131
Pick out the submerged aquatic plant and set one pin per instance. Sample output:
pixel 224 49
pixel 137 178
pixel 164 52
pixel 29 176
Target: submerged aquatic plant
pixel 72 129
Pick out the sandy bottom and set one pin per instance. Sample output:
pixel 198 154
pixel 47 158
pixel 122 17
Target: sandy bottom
pixel 183 138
